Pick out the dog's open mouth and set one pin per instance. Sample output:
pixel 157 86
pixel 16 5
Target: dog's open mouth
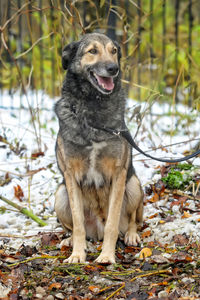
pixel 104 84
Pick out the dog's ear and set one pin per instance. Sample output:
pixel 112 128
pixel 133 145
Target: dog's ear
pixel 118 49
pixel 68 54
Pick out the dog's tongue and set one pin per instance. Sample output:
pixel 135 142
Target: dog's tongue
pixel 105 82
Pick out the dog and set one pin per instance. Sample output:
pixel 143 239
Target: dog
pixel 101 196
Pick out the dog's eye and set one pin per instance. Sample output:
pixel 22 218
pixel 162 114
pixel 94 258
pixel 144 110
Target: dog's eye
pixel 93 51
pixel 114 51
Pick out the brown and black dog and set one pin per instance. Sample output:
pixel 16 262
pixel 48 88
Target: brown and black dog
pixel 101 196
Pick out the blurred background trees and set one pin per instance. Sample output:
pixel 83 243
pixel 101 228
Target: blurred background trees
pixel 160 41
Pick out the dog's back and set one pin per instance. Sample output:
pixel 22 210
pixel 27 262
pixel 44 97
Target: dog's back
pixel 102 193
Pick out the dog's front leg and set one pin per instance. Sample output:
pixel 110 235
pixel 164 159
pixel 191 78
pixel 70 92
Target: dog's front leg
pixel 111 230
pixel 79 235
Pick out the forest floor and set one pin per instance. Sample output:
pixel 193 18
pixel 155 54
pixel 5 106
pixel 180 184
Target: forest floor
pixel 166 265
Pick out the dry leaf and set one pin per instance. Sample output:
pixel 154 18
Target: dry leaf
pixel 19 194
pixel 161 221
pixel 90 268
pixel 185 215
pixel 49 239
pixel 37 154
pixel 93 288
pixel 159 259
pixel 181 257
pixel 146 234
pixel 32 172
pixel 153 199
pixel 180 239
pixel 153 216
pixel 99 247
pixel 55 285
pixel 145 252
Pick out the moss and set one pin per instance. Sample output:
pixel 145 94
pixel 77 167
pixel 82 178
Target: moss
pixel 177 179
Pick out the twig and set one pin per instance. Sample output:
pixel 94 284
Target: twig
pixel 36 257
pixel 24 211
pixel 116 291
pixel 169 145
pixel 141 86
pixel 116 273
pixel 24 89
pixel 197 189
pixel 136 277
pixel 12 236
pixel 180 193
pixel 33 45
pixel 106 288
pixel 2 28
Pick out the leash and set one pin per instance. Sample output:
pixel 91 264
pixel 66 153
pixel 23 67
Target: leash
pixel 126 134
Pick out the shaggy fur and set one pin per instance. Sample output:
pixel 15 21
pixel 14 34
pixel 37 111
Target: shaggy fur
pixel 101 195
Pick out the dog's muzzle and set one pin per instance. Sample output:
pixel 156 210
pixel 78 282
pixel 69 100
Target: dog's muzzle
pixel 102 77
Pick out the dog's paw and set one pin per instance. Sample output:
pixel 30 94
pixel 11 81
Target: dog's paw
pixel 76 258
pixel 131 239
pixel 67 242
pixel 105 258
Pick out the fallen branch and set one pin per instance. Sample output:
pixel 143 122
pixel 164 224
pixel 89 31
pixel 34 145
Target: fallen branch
pixel 136 277
pixel 181 193
pixel 24 211
pixel 34 258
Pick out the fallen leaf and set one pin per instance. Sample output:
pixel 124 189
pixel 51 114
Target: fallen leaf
pixel 49 239
pixel 37 154
pixel 163 170
pixel 159 187
pixel 180 240
pixel 153 216
pixel 119 255
pixel 65 248
pixel 186 215
pixel 131 249
pixel 170 250
pixel 148 190
pixel 151 244
pixel 145 252
pixel 94 288
pixel 99 247
pixel 155 198
pixel 32 172
pixel 78 278
pixel 180 257
pixel 146 234
pixel 160 283
pixel 159 259
pixel 10 259
pixel 55 285
pixel 90 268
pixel 162 222
pixel 170 219
pixel 175 271
pixel 27 250
pixel 180 202
pixel 19 194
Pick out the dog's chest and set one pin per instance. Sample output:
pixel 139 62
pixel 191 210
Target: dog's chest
pixel 93 165
pixel 93 174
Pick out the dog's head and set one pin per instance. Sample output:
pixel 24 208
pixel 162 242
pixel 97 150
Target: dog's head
pixel 96 58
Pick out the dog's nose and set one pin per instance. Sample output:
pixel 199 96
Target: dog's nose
pixel 112 69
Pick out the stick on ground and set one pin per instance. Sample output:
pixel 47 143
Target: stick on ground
pixel 24 211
